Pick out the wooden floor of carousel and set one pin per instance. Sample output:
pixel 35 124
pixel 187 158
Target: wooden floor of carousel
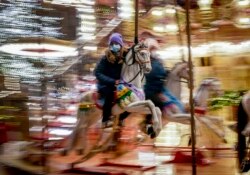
pixel 168 154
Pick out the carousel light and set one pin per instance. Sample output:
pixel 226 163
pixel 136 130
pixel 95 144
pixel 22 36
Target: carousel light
pixel 60 132
pixel 89 17
pixel 88 2
pixel 243 2
pixel 170 11
pixel 125 9
pixel 88 10
pixel 171 28
pixel 205 4
pixel 157 12
pixel 159 28
pixel 206 13
pixel 125 15
pixel 85 36
pixel 244 21
pixel 90 48
pixel 87 29
pixel 67 119
pixel 89 23
pixel 29 49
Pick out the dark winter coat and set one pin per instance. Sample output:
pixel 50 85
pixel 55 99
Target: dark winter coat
pixel 107 71
pixel 156 78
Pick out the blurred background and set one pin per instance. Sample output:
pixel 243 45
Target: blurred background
pixel 49 48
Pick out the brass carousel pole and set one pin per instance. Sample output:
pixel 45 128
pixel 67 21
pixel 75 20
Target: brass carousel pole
pixel 136 21
pixel 193 130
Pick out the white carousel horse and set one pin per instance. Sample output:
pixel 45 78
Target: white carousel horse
pixel 208 87
pixel 137 62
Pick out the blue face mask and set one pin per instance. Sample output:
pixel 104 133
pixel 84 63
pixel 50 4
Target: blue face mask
pixel 115 48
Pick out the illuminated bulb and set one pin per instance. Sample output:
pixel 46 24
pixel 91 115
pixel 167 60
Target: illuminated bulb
pixel 87 29
pixel 171 28
pixel 170 11
pixel 91 48
pixel 243 2
pixel 159 28
pixel 157 13
pixel 205 4
pixel 91 17
pixel 244 20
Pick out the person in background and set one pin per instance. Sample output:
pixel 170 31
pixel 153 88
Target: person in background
pixel 108 72
pixel 154 87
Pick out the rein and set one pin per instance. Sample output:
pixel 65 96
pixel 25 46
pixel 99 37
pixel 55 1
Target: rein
pixel 140 71
pixel 134 60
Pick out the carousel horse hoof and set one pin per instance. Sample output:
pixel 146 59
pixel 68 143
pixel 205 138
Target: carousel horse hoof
pixel 183 157
pixel 151 132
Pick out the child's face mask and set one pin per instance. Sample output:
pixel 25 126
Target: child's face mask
pixel 115 48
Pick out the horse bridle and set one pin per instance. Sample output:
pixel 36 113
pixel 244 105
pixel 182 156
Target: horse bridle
pixel 138 61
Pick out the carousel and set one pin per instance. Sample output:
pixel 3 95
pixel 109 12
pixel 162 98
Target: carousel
pixel 51 114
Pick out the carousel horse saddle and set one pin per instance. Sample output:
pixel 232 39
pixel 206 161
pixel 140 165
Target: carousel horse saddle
pixel 124 95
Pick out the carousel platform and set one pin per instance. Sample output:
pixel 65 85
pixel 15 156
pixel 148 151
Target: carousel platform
pixel 169 154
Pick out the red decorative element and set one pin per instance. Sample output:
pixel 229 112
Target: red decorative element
pixel 94 170
pixel 200 110
pixel 186 157
pixel 40 136
pixel 95 97
pixel 39 50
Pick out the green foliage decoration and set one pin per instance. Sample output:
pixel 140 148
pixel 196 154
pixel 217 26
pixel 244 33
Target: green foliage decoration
pixel 229 98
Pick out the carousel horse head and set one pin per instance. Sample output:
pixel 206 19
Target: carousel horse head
pixel 139 54
pixel 209 87
pixel 213 85
pixel 181 70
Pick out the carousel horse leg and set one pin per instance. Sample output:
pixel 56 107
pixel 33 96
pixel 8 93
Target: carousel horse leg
pixel 213 127
pixel 80 127
pixel 185 118
pixel 147 107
